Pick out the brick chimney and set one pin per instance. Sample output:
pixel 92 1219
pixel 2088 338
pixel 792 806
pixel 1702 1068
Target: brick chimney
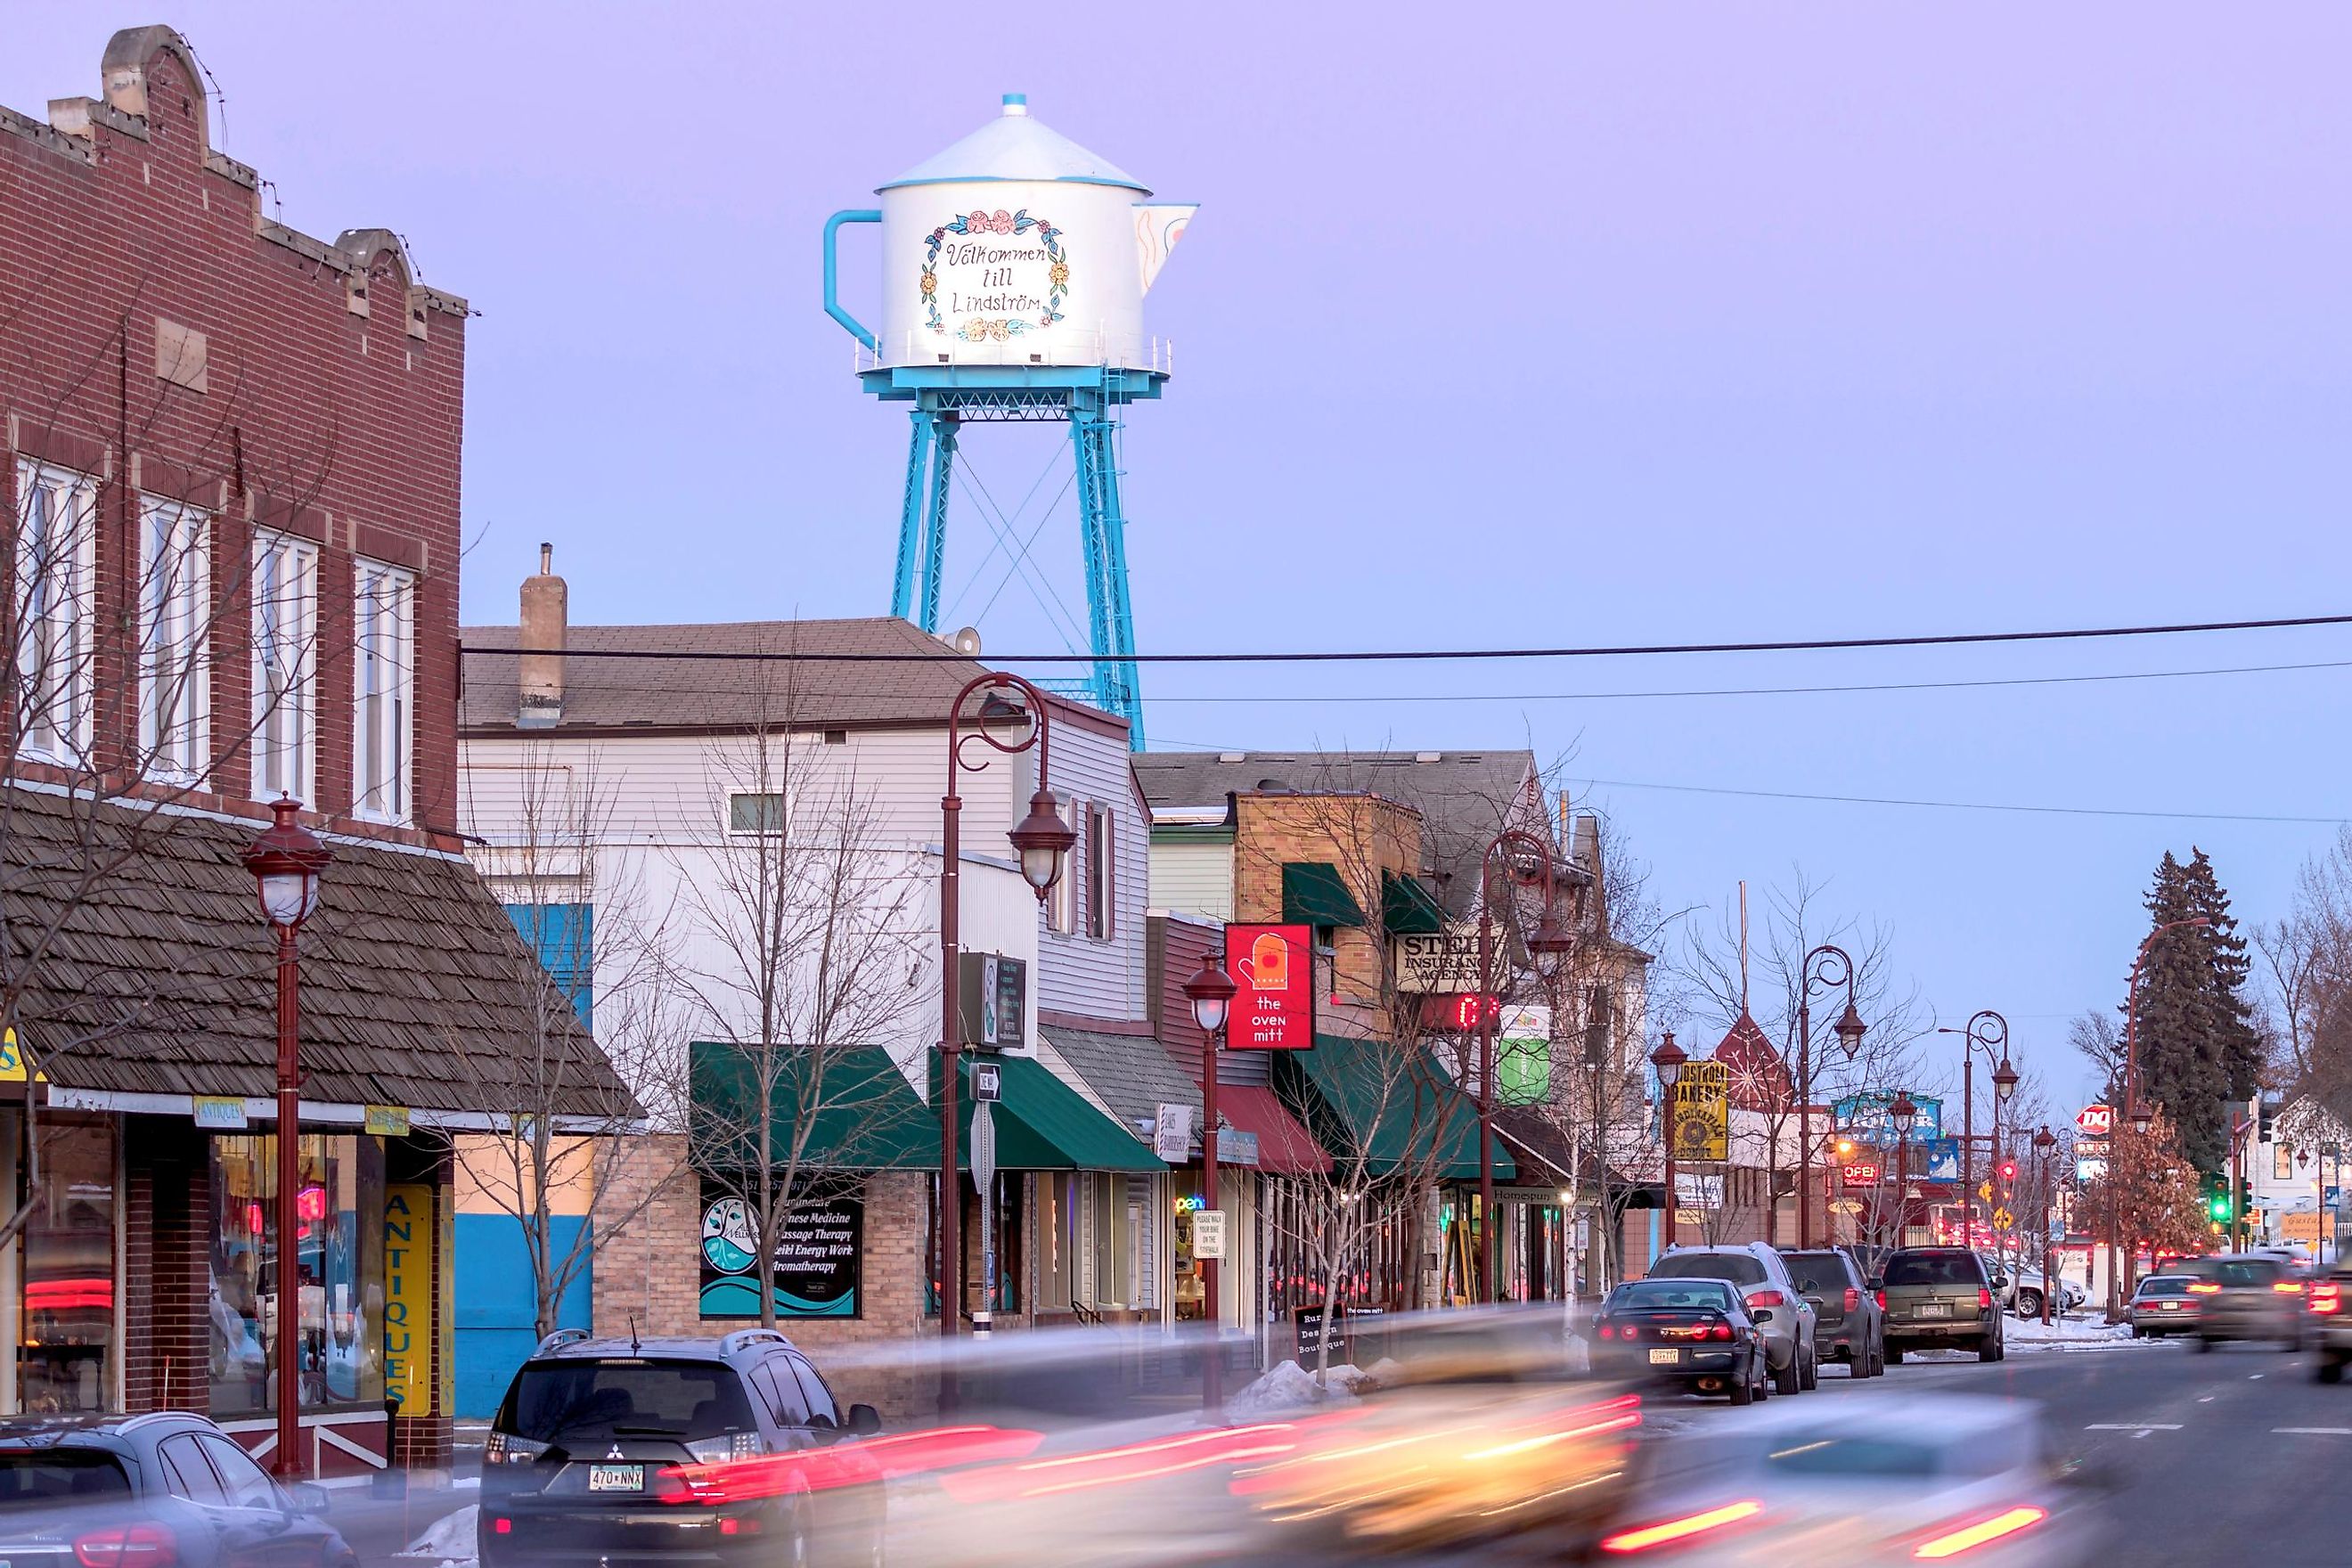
pixel 545 618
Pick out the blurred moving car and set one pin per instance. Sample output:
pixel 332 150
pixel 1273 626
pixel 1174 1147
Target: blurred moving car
pixel 165 1491
pixel 1945 1476
pixel 1849 1325
pixel 1911 1478
pixel 2245 1296
pixel 1693 1332
pixel 1940 1297
pixel 2164 1304
pixel 2331 1324
pixel 675 1450
pixel 1772 1299
pixel 1476 1439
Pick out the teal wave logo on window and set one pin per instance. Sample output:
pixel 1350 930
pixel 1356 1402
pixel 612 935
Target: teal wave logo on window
pixel 727 1240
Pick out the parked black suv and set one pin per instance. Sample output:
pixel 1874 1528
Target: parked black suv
pixel 77 1492
pixel 1940 1297
pixel 677 1449
pixel 1848 1323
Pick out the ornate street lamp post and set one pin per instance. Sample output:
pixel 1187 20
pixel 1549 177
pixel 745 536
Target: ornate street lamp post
pixel 1042 840
pixel 1986 1031
pixel 1825 969
pixel 1210 991
pixel 1667 1061
pixel 1550 941
pixel 287 860
pixel 2043 1142
pixel 1902 1113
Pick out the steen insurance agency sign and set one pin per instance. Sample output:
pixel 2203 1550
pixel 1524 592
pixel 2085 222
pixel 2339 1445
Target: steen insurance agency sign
pixel 817 1247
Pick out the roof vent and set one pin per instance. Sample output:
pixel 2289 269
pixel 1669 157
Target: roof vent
pixel 1274 786
pixel 1233 756
pixel 1016 103
pixel 1428 757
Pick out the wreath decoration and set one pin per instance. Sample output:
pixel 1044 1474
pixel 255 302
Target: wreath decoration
pixel 979 329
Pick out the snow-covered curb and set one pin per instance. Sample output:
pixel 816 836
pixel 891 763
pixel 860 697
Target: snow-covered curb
pixel 449 1543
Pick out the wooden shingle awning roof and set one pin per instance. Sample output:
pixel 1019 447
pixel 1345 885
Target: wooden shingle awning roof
pixel 159 973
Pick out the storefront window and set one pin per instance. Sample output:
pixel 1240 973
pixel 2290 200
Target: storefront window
pixel 66 1359
pixel 1058 1241
pixel 339 1254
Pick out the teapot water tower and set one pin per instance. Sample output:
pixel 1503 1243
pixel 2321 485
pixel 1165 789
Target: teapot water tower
pixel 1013 269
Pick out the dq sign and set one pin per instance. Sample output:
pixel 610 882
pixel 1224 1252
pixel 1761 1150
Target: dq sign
pixel 2095 1121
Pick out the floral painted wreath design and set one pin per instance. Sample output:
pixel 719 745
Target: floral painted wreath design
pixel 977 330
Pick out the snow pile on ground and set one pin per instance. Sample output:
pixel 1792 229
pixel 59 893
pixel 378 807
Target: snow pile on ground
pixel 2084 1332
pixel 450 1541
pixel 1286 1385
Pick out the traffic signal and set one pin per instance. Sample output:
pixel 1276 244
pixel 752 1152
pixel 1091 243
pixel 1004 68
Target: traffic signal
pixel 2218 1205
pixel 2008 1170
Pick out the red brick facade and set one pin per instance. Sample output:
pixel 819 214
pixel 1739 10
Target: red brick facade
pixel 330 406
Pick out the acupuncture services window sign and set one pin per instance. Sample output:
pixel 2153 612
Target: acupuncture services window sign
pixel 817 1247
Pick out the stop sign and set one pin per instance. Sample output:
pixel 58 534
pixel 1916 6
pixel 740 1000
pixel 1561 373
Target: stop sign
pixel 2096 1120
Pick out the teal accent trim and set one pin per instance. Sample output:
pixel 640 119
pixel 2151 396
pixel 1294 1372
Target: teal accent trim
pixel 740 1299
pixel 1103 524
pixel 910 519
pixel 856 328
pixel 935 526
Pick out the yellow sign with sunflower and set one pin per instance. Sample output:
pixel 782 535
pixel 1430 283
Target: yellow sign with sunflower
pixel 1699 1119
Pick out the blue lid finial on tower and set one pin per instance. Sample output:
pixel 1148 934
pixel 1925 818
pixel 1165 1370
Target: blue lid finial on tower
pixel 1016 103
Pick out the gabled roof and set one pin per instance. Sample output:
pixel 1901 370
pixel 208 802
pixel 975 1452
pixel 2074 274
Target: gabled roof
pixel 692 691
pixel 1759 1078
pixel 1465 798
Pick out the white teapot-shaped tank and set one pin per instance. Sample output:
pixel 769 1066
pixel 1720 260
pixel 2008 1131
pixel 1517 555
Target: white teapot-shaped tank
pixel 1014 246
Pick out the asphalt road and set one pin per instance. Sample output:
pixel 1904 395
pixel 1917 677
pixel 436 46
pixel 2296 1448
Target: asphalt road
pixel 2235 1456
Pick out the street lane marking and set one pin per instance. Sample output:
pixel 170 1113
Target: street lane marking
pixel 2204 1399
pixel 2133 1426
pixel 2254 1378
pixel 2316 1431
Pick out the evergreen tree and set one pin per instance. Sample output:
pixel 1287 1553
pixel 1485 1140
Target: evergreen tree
pixel 2240 1041
pixel 2183 1024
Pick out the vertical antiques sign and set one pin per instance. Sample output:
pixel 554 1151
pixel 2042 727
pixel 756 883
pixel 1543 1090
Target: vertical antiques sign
pixel 408 1231
pixel 1275 967
pixel 1701 1115
pixel 817 1246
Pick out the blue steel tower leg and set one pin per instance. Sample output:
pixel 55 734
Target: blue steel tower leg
pixel 1110 619
pixel 910 519
pixel 935 528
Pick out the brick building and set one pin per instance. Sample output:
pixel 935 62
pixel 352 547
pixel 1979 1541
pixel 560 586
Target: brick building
pixel 232 474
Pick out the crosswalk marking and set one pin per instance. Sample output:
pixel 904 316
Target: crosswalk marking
pixel 2315 1431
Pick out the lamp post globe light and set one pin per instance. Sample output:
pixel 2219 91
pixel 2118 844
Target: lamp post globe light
pixel 1667 1061
pixel 287 860
pixel 1042 840
pixel 1548 944
pixel 1211 991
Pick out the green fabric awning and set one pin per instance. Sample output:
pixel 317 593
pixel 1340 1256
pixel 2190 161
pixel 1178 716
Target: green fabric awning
pixel 863 1113
pixel 1044 1124
pixel 1315 894
pixel 1407 906
pixel 1363 1103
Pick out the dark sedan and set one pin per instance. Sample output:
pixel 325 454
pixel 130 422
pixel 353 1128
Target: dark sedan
pixel 164 1490
pixel 1694 1332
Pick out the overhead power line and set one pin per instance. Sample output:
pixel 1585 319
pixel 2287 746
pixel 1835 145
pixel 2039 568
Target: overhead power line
pixel 1970 805
pixel 1426 655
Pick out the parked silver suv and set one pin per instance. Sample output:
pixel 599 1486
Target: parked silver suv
pixel 1773 1300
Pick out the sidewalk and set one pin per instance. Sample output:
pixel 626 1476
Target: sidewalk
pixel 381 1524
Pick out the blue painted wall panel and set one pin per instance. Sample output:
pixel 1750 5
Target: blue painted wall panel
pixel 496 1331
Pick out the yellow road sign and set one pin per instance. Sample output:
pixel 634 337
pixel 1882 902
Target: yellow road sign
pixel 2002 1219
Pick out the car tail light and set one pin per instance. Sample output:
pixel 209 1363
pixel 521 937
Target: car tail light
pixel 2327 1299
pixel 725 1446
pixel 1852 1299
pixel 1968 1537
pixel 2204 1287
pixel 1768 1299
pixel 1721 1331
pixel 1666 1531
pixel 1879 1296
pixel 127 1546
pixel 2288 1287
pixel 501 1526
pixel 1984 1299
pixel 506 1449
pixel 1608 1330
